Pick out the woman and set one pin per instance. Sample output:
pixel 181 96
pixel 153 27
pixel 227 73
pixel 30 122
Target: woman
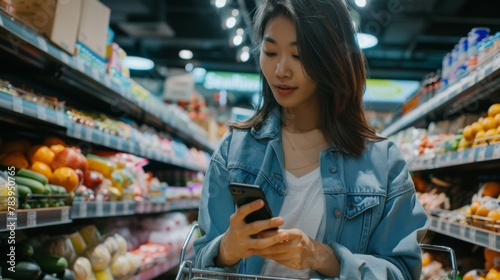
pixel 340 195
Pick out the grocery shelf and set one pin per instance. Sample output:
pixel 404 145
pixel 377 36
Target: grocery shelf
pixel 471 234
pixel 466 156
pixel 181 204
pixel 446 96
pixel 83 210
pixel 31 218
pixel 78 73
pixel 31 109
pixel 95 136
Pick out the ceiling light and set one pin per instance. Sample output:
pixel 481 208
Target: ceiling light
pixel 220 3
pixel 189 67
pixel 186 54
pixel 138 63
pixel 230 22
pixel 244 54
pixel 237 40
pixel 235 12
pixel 240 31
pixel 366 41
pixel 360 3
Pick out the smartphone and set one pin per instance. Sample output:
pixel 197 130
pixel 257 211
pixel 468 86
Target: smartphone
pixel 245 193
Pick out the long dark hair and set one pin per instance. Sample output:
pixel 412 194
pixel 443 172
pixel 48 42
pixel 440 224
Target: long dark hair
pixel 332 58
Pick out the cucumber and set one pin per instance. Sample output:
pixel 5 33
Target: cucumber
pixel 23 191
pixel 33 175
pixel 52 264
pixel 56 189
pixel 34 185
pixel 23 271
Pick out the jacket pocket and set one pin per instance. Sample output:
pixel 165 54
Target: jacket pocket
pixel 357 204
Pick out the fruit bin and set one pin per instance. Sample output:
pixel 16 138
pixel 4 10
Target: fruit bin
pixel 32 201
pixel 483 222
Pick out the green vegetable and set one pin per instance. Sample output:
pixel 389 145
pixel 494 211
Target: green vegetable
pixel 52 264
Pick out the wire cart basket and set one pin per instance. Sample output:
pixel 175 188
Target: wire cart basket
pixel 186 270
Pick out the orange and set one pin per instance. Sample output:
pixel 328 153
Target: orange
pixel 476 127
pixel 467 133
pixel 41 153
pixel 57 148
pixel 474 206
pixel 490 133
pixel 489 123
pixel 426 259
pixel 66 177
pixel 49 141
pixel 42 168
pixel 497 119
pixel 482 211
pixel 479 135
pixel 492 274
pixel 491 189
pixel 16 159
pixel 494 110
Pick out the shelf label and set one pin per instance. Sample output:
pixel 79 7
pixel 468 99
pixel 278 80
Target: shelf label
pixel 41 112
pixel 78 131
pixel 31 219
pixel 481 74
pixel 481 154
pixel 149 208
pixel 1 20
pixel 88 134
pixel 462 232
pixel 496 151
pixel 448 158
pixel 107 140
pixel 65 58
pixel 42 44
pixel 470 158
pixel 119 144
pixel 112 208
pixel 492 238
pixel 64 214
pixel 99 209
pixel 460 156
pixel 496 63
pixel 83 210
pixel 17 104
pixel 107 82
pixel 60 118
pixel 80 65
pixel 472 234
pixel 158 207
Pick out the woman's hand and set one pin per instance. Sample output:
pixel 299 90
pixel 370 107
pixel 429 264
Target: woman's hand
pixel 237 242
pixel 299 251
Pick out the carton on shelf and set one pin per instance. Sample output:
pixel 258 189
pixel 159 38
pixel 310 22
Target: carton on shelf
pixel 58 20
pixel 93 29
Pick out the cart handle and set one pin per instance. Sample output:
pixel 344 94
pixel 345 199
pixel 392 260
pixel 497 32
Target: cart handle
pixel 453 260
pixel 186 242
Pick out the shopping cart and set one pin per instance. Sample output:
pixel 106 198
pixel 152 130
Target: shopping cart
pixel 186 270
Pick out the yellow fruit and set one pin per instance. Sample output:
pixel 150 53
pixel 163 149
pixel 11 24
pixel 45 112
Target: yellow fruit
pixel 57 148
pixel 490 133
pixel 467 133
pixel 482 211
pixel 474 206
pixel 494 110
pixel 476 127
pixel 492 274
pixel 426 259
pixel 464 144
pixel 49 141
pixel 494 214
pixel 489 123
pixel 42 168
pixel 491 188
pixel 497 119
pixel 41 153
pixel 66 177
pixel 16 159
pixel 479 135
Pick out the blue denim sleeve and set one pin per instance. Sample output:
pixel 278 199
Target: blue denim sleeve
pixel 393 251
pixel 216 206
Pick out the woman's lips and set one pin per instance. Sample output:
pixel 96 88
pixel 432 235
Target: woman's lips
pixel 284 90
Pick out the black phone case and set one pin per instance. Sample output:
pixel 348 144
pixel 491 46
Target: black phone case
pixel 243 194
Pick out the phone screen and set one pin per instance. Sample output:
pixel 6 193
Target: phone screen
pixel 244 194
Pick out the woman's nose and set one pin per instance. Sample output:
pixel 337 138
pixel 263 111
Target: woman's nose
pixel 283 69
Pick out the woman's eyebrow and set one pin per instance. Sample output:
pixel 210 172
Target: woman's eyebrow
pixel 272 41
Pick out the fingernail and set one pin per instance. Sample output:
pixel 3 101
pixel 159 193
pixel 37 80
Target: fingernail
pixel 284 236
pixel 259 202
pixel 278 221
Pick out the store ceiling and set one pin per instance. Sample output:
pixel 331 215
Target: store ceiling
pixel 414 35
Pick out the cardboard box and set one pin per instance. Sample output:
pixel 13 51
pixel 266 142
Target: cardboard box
pixel 93 29
pixel 58 20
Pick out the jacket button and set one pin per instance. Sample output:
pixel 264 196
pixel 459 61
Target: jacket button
pixel 338 213
pixel 333 169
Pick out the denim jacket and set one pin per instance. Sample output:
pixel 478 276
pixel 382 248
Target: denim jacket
pixel 372 214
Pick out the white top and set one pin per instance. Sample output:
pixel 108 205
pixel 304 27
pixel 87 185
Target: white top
pixel 303 208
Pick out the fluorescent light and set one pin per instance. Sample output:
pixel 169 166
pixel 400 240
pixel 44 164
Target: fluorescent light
pixel 230 22
pixel 189 67
pixel 240 31
pixel 220 3
pixel 366 41
pixel 244 56
pixel 186 54
pixel 237 40
pixel 138 63
pixel 360 3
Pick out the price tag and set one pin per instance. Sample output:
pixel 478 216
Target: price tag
pixel 60 118
pixel 481 74
pixel 64 214
pixel 107 82
pixel 31 219
pixel 99 209
pixel 65 58
pixel 95 74
pixel 472 80
pixel 472 234
pixel 112 208
pixel 496 151
pixel 1 20
pixel 460 156
pixel 448 159
pixel 462 231
pixel 119 144
pixel 149 208
pixel 470 158
pixel 158 207
pixel 80 65
pixel 17 104
pixel 107 140
pixel 447 227
pixel 496 63
pixel 42 44
pixel 492 240
pixel 142 150
pixel 83 210
pixel 481 154
pixel 88 134
pixel 41 112
pixel 77 131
